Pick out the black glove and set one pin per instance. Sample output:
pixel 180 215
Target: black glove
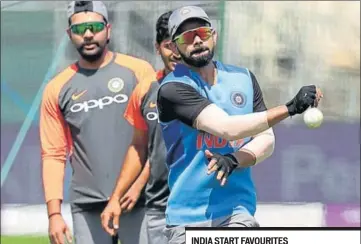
pixel 225 163
pixel 305 97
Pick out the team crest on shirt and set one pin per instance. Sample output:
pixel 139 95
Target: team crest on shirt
pixel 115 85
pixel 238 99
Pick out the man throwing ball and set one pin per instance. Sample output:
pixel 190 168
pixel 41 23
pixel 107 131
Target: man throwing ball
pixel 206 106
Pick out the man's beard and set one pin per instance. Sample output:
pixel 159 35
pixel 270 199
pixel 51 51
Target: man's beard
pixel 199 61
pixel 91 57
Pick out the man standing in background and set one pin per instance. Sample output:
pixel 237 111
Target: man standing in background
pixel 148 144
pixel 81 116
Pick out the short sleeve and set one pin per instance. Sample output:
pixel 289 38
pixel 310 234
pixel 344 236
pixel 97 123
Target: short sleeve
pixel 133 112
pixel 180 101
pixel 258 102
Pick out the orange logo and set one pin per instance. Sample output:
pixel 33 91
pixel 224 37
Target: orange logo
pixel 77 96
pixel 152 105
pixel 209 141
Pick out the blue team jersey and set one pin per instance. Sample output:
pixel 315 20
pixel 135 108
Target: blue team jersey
pixel 196 196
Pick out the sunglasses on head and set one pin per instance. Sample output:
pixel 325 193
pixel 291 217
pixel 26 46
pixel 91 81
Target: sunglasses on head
pixel 81 28
pixel 187 37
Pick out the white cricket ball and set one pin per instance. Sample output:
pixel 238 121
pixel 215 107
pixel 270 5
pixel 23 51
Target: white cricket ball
pixel 313 117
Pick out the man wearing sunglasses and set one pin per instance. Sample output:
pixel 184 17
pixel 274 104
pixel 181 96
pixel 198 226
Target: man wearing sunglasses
pixel 82 118
pixel 148 143
pixel 215 127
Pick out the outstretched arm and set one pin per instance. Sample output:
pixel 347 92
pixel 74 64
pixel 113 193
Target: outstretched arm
pixel 183 102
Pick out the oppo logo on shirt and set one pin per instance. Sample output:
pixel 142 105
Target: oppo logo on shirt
pixel 98 104
pixel 151 116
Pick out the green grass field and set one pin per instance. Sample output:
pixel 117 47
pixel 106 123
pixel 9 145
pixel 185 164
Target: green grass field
pixel 24 240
